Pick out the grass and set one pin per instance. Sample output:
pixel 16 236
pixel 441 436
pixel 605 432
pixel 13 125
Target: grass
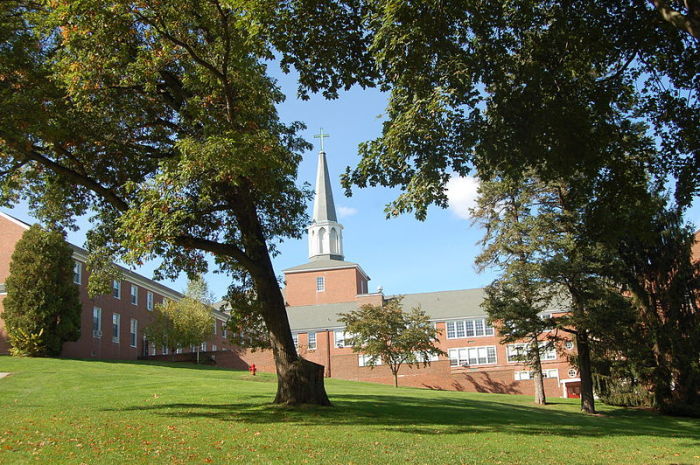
pixel 90 412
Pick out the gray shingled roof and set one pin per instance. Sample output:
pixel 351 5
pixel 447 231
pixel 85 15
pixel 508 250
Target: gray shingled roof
pixel 324 208
pixel 442 305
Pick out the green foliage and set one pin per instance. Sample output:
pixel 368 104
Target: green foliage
pixel 388 334
pixel 42 308
pixel 27 344
pixel 184 323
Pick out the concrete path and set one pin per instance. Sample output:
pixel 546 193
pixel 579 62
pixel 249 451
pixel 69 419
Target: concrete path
pixel 2 375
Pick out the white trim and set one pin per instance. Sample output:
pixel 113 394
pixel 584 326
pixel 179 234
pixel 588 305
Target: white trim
pixel 570 380
pixel 19 223
pixel 344 267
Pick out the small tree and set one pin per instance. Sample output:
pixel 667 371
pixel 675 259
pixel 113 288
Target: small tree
pixel 388 334
pixel 42 307
pixel 184 323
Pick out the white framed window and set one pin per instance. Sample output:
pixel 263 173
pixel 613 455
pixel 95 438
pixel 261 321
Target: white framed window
pixel 320 284
pixel 78 273
pixel 569 345
pixel 213 347
pixel 164 350
pixel 473 327
pixel 133 332
pixel 295 338
pixel 224 331
pixel 312 341
pixel 214 329
pixel 430 358
pixel 149 300
pixel 153 349
pixel 364 360
pixel 572 373
pixel 178 350
pixel 470 356
pixel 134 295
pixel 117 289
pixel 517 353
pixel 96 322
pixel 203 347
pixel 525 375
pixel 116 326
pixel 342 339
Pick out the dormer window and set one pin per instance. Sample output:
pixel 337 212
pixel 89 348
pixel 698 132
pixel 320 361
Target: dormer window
pixel 320 284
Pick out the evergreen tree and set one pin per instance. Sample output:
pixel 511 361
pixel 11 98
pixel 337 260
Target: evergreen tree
pixel 516 298
pixel 42 307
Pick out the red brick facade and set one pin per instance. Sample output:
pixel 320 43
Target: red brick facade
pixel 99 340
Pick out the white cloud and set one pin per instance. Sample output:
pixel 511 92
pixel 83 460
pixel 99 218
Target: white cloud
pixel 461 195
pixel 346 211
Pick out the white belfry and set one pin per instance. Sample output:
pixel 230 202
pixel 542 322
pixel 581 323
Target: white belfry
pixel 325 233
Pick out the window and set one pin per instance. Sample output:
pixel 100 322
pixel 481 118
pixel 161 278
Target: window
pixel 214 328
pixel 133 330
pixel 312 341
pixel 178 350
pixel 117 289
pixel 518 352
pixel 149 300
pixel 224 331
pixel 569 345
pixel 164 350
pixel 213 347
pixel 134 295
pixel 525 375
pixel 204 347
pixel 77 273
pixel 320 284
pixel 342 339
pixel 116 327
pixel 153 349
pixel 467 356
pixel 468 328
pixel 364 360
pixel 295 338
pixel 429 358
pixel 97 322
pixel 572 373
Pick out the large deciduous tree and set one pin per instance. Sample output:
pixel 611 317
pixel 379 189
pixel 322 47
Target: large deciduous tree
pixel 158 118
pixel 42 308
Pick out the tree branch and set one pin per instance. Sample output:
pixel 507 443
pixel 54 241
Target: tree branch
pixel 106 193
pixel 689 23
pixel 217 248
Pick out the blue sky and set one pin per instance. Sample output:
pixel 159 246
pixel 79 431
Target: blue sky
pixel 402 255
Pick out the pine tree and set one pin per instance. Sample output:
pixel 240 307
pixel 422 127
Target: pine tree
pixel 42 307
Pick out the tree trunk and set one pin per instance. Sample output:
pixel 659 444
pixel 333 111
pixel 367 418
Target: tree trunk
pixel 396 377
pixel 584 368
pixel 536 363
pixel 299 381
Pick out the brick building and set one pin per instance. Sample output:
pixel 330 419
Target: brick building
pixel 111 325
pixel 318 291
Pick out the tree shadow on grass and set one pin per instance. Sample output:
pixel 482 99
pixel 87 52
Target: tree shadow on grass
pixel 418 415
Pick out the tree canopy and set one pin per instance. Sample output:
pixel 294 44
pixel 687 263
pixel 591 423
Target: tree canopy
pixel 386 334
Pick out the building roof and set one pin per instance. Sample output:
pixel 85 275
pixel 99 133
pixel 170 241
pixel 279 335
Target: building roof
pixel 441 305
pixel 324 208
pixel 81 254
pixel 325 264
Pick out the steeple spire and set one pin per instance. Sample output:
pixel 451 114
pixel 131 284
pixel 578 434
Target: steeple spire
pixel 325 233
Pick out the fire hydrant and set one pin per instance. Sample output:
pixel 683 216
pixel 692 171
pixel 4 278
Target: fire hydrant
pixel 252 369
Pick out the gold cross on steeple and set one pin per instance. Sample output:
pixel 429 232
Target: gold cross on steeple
pixel 321 136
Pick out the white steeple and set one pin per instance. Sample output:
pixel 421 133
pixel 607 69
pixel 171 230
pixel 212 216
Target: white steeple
pixel 325 233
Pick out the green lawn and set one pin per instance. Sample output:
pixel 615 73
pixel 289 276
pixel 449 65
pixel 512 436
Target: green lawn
pixel 75 412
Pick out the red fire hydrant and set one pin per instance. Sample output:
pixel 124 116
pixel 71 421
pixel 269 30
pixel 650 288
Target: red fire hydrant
pixel 252 369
